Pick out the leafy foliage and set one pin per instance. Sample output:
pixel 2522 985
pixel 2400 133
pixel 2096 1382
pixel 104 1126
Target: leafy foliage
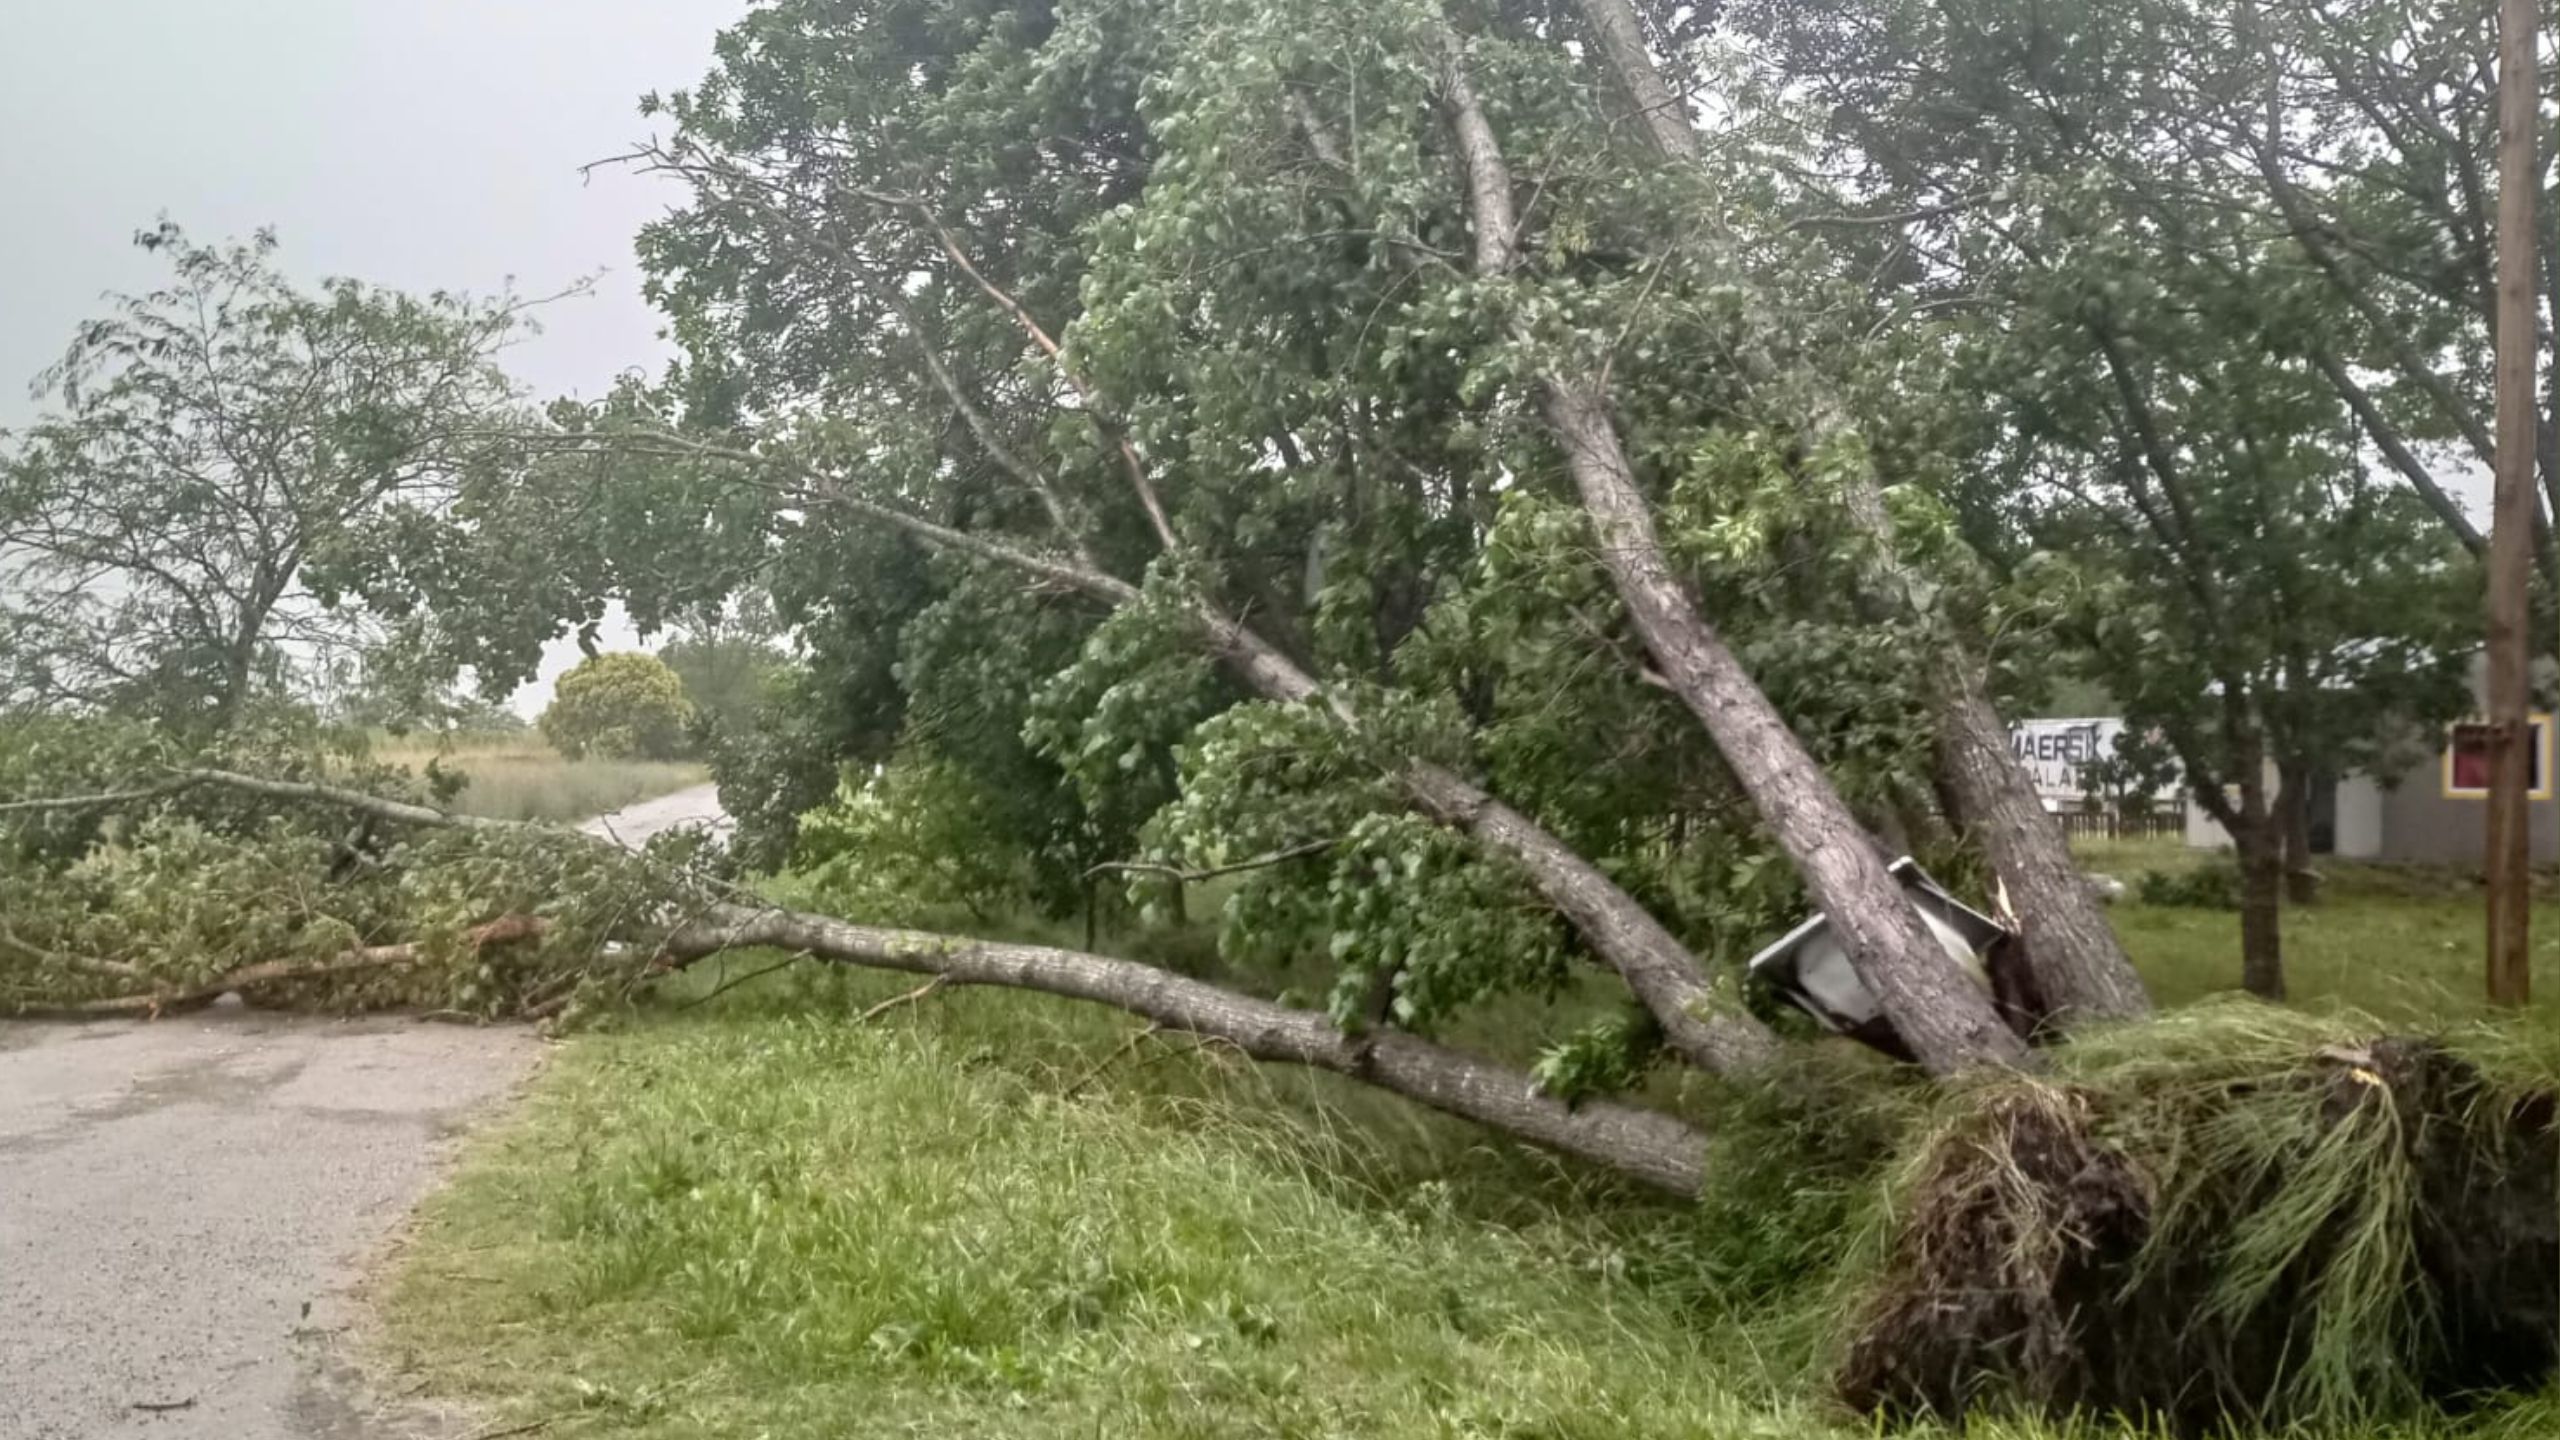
pixel 178 898
pixel 625 706
pixel 912 840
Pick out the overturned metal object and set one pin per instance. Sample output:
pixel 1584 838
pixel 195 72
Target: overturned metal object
pixel 1811 969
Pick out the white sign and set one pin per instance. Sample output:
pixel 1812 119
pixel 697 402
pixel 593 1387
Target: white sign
pixel 2055 750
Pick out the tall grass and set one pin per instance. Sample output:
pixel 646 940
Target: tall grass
pixel 947 1223
pixel 519 777
pixel 996 1214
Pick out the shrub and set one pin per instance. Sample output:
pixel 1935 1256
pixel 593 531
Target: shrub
pixel 622 706
pixel 917 836
pixel 2213 886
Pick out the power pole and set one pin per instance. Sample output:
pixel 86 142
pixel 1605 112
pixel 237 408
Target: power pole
pixel 2510 854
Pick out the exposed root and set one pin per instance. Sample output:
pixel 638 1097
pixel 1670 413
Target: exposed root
pixel 2357 1230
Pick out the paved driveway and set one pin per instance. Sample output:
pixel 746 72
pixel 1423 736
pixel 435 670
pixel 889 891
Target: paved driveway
pixel 634 824
pixel 186 1205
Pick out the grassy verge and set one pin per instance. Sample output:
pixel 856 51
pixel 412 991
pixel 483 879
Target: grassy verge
pixel 518 777
pixel 999 1214
pixel 945 1222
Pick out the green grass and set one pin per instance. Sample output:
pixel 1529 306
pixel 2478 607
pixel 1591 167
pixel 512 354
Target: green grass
pixel 518 777
pixel 2404 944
pixel 791 1226
pixel 1000 1214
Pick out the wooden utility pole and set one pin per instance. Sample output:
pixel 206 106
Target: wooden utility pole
pixel 2510 854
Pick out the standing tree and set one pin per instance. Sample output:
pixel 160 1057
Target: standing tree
pixel 176 529
pixel 729 658
pixel 620 707
pixel 2151 363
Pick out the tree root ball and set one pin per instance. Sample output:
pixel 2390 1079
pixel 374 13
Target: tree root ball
pixel 2364 1230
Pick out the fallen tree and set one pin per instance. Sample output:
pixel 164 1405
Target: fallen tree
pixel 266 975
pixel 672 918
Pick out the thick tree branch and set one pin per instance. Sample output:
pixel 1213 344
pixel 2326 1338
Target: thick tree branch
pixel 2386 437
pixel 1646 1144
pixel 1665 115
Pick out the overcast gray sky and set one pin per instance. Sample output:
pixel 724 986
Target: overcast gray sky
pixel 417 143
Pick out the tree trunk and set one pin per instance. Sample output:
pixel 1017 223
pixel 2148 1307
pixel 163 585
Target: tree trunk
pixel 1619 38
pixel 1939 1011
pixel 1647 1144
pixel 2260 850
pixel 1941 1014
pixel 2293 821
pixel 2080 967
pixel 2261 909
pixel 2256 845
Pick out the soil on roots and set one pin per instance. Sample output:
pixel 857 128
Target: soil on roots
pixel 2368 1230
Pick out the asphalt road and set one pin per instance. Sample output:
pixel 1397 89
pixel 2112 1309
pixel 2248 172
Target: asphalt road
pixel 186 1207
pixel 634 825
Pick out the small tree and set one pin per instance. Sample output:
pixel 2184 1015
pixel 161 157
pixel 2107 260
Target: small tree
pixel 621 706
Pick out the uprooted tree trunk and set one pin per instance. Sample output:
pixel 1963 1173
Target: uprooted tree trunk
pixel 1945 1018
pixel 2080 969
pixel 1647 1145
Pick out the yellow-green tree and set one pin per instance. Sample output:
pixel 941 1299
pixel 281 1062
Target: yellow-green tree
pixel 620 706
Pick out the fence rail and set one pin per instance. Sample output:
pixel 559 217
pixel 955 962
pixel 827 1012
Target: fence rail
pixel 2106 824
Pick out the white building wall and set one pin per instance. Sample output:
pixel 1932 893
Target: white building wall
pixel 2203 831
pixel 2359 818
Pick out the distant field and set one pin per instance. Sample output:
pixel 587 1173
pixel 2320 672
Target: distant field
pixel 518 777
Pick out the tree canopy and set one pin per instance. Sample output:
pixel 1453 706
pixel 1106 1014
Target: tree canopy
pixel 184 527
pixel 619 706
